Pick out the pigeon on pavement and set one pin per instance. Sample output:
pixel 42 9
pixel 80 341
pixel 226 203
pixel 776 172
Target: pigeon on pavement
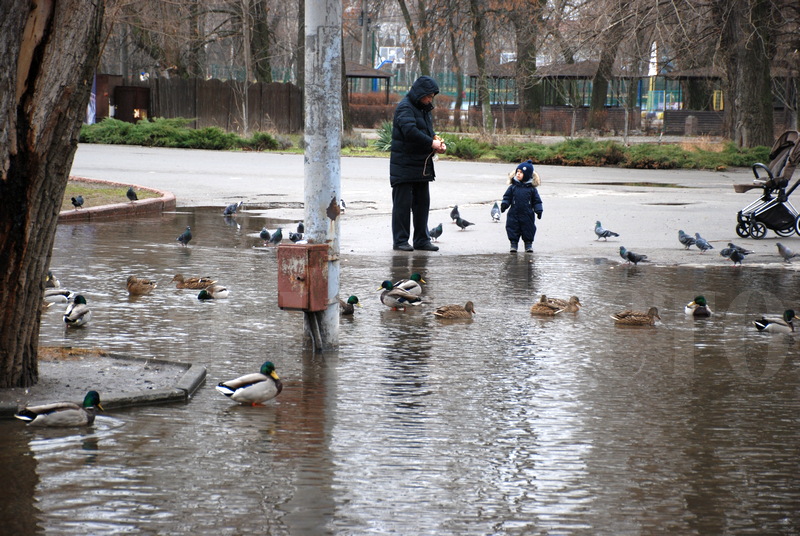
pixel 602 233
pixel 495 213
pixel 435 233
pixel 131 194
pixel 733 254
pixel 786 253
pixel 454 215
pixel 461 222
pixel 740 249
pixel 701 243
pixel 77 201
pixel 685 239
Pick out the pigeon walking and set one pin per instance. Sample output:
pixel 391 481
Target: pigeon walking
pixel 737 257
pixel 131 194
pixel 264 235
pixel 301 228
pixel 454 215
pixel 786 253
pixel 496 213
pixel 232 209
pixel 185 237
pixel 740 249
pixel 632 257
pixel 77 201
pixel 733 254
pixel 461 222
pixel 601 232
pixel 701 243
pixel 685 239
pixel 435 233
pixel 277 236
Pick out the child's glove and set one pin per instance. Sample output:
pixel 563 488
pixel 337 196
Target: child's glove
pixel 539 214
pixel 503 207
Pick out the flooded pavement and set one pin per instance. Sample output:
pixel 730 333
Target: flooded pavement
pixel 505 424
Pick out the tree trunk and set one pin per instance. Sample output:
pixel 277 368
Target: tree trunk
pixel 748 103
pixel 480 60
pixel 300 54
pixel 458 69
pixel 49 54
pixel 605 67
pixel 261 42
pixel 418 36
pixel 530 93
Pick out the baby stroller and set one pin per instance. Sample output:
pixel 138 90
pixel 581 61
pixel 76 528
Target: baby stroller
pixel 772 210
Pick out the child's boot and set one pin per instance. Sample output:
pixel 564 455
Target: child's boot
pixel 513 247
pixel 528 247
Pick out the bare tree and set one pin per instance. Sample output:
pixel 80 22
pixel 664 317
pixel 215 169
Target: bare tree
pixel 419 33
pixel 527 25
pixel 49 51
pixel 746 46
pixel 478 22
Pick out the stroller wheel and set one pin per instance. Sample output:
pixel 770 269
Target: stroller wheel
pixel 785 232
pixel 741 230
pixel 757 230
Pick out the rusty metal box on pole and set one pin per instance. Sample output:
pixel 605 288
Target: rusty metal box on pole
pixel 303 277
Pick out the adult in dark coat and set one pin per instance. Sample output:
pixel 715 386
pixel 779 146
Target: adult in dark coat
pixel 414 143
pixel 522 201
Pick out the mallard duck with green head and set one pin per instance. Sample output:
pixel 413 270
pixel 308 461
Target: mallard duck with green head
pixel 698 307
pixel 397 298
pixel 194 283
pixel 139 287
pixel 213 292
pixel 62 413
pixel 544 308
pixel 348 307
pixel 775 324
pixel 77 313
pixel 412 284
pixel 636 318
pixel 51 281
pixel 455 311
pixel 58 295
pixel 253 389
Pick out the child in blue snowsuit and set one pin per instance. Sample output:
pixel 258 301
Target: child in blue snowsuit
pixel 522 201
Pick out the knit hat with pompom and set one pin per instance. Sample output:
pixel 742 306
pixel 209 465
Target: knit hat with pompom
pixel 527 170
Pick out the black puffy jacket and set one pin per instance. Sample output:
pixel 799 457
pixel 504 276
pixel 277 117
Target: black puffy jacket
pixel 411 158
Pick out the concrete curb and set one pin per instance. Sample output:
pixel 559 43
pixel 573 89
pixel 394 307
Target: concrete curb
pixel 191 380
pixel 186 386
pixel 146 207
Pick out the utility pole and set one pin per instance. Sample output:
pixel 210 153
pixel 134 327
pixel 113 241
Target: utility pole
pixel 323 131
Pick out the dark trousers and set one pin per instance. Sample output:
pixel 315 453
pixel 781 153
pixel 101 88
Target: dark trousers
pixel 408 198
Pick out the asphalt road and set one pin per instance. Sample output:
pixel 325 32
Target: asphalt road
pixel 646 207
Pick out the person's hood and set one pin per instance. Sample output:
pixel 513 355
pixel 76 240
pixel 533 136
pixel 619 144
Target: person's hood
pixel 424 85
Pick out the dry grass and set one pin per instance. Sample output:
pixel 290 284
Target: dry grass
pixel 57 353
pixel 97 194
pixel 703 144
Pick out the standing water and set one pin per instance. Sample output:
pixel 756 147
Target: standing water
pixel 505 424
